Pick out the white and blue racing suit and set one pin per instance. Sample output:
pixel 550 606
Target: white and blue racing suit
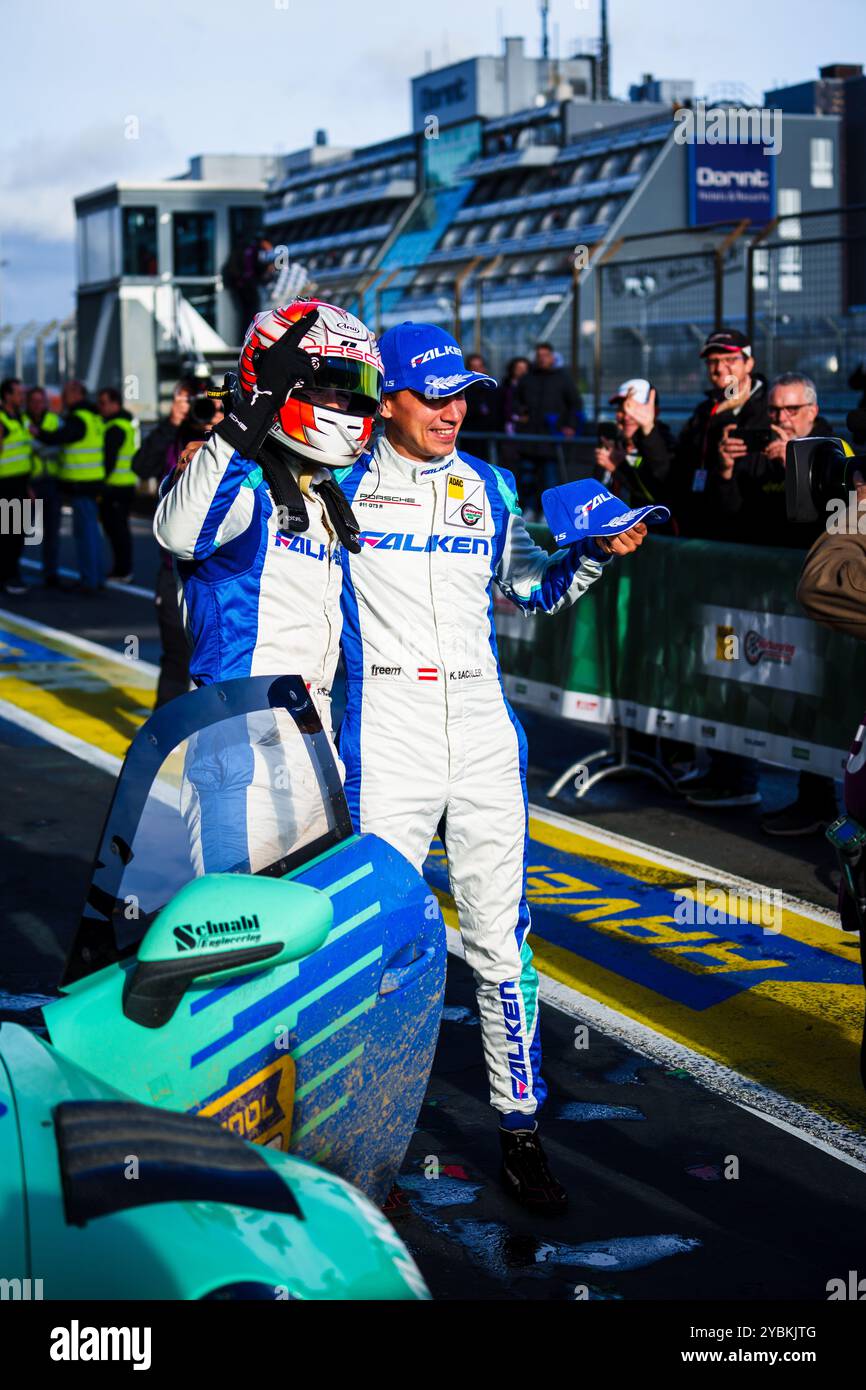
pixel 428 730
pixel 255 602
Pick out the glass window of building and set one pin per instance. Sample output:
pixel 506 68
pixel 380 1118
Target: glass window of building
pixel 97 246
pixel 456 146
pixel 501 229
pixel 140 255
pixel 203 300
pixel 244 222
pixel 790 204
pixel 194 243
pixel 577 216
pixel 610 166
pixel 821 162
pixel 607 210
pixel 638 162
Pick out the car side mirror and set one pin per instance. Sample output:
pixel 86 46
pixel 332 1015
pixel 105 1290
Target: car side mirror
pixel 222 926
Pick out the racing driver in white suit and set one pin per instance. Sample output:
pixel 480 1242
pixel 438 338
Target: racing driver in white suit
pixel 428 731
pixel 256 523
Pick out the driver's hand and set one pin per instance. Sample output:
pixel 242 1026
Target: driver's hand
pixel 625 542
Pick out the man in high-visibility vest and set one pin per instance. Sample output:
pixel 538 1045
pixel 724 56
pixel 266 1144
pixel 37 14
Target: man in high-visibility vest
pixel 120 443
pixel 46 484
pixel 82 478
pixel 16 459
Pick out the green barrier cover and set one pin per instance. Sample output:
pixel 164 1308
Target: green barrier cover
pixel 698 641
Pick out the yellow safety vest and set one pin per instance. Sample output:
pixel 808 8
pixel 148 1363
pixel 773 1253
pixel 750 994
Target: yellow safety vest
pixel 82 462
pixel 45 456
pixel 122 474
pixel 16 451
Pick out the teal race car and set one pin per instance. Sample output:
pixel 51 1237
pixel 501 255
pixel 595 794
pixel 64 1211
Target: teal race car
pixel 223 1092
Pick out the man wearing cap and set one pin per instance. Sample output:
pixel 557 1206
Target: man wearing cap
pixel 709 463
pixel 428 731
pixel 707 451
pixel 636 461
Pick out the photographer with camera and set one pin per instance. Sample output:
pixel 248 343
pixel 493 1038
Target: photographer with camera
pixel 752 465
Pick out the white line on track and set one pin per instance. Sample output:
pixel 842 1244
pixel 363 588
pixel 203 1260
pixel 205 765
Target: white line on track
pixel 690 868
pixel 828 1136
pixel 83 644
pixel 119 588
pixel 50 733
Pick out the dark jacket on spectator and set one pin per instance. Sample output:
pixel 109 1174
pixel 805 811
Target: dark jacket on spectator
pixel 644 476
pixel 695 472
pixel 550 399
pixel 751 503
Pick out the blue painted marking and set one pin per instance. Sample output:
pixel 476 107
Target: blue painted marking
pixel 4 1109
pixel 15 649
pixel 577 1110
pixel 443 1191
pixel 635 952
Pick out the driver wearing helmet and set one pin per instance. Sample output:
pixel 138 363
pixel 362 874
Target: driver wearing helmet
pixel 256 523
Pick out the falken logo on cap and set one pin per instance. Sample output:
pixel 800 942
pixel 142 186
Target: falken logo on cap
pixel 591 504
pixel 435 352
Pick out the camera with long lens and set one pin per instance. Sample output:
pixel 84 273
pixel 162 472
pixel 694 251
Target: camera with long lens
pixel 821 471
pixel 199 419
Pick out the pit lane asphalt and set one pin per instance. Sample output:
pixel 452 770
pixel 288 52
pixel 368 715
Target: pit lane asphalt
pixel 677 1193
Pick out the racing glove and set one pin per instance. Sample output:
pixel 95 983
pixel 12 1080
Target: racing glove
pixel 279 370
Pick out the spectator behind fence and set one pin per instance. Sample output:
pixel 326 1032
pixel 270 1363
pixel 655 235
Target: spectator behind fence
pixel 16 461
pixel 46 484
pixel 635 455
pixel 480 417
pixel 120 442
pixel 737 399
pixel 548 403
pixel 751 483
pixel 82 476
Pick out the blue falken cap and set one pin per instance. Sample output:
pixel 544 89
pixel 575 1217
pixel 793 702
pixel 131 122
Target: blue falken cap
pixel 423 357
pixel 575 511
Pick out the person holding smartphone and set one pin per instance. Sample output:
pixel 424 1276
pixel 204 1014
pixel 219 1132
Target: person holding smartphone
pixel 709 450
pixel 634 455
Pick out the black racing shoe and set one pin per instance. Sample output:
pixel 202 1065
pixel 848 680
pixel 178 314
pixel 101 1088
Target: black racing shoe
pixel 525 1172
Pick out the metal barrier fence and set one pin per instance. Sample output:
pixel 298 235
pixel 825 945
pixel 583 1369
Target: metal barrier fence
pixel 797 289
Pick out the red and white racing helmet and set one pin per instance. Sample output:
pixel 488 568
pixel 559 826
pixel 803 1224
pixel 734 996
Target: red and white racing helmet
pixel 330 422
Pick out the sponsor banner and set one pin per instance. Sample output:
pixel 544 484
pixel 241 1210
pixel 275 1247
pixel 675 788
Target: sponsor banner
pixel 771 649
pixel 697 641
pixel 729 738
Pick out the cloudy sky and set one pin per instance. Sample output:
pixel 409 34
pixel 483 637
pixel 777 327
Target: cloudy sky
pixel 261 75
